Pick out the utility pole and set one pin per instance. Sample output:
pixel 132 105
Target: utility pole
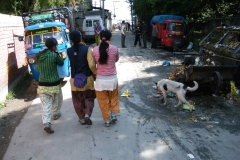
pixel 114 8
pixel 103 13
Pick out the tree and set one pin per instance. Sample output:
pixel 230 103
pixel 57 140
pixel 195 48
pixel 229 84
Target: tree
pixel 193 10
pixel 21 6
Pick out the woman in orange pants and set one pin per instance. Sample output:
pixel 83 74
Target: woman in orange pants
pixel 106 83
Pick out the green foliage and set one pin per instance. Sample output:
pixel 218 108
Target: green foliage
pixel 10 95
pixel 192 10
pixel 14 7
pixel 2 105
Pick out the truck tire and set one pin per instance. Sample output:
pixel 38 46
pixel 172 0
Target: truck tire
pixel 216 83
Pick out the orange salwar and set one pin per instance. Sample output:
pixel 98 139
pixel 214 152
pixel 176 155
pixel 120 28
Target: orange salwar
pixel 108 101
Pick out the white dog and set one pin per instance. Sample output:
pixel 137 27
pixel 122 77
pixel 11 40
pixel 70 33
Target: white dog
pixel 166 86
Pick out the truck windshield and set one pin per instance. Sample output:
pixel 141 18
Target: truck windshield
pixel 215 36
pixel 38 40
pixel 231 40
pixel 173 26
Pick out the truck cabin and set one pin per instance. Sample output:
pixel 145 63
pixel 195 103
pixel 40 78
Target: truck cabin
pixel 171 28
pixel 36 38
pixel 170 32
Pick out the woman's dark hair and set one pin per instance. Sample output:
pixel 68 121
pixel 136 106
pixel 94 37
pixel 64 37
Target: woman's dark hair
pixel 105 35
pixel 75 37
pixel 51 42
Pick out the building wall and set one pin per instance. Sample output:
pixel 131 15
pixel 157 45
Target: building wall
pixel 12 54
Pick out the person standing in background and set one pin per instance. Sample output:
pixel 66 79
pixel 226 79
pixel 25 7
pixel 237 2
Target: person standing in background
pixel 154 36
pixel 97 30
pixel 144 34
pixel 81 61
pixel 138 31
pixel 128 26
pixel 49 87
pixel 106 85
pixel 123 34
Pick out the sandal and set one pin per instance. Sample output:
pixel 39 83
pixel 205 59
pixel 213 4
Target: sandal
pixel 113 117
pixel 82 121
pixel 57 116
pixel 88 121
pixel 107 123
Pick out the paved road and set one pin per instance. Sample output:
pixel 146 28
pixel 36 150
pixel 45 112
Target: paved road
pixel 146 130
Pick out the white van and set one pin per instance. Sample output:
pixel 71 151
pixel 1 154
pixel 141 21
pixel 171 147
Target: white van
pixel 88 26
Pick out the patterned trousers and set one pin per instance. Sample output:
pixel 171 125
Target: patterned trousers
pixel 83 102
pixel 51 103
pixel 108 102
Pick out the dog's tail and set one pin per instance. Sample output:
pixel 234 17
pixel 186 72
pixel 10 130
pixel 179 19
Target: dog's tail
pixel 194 88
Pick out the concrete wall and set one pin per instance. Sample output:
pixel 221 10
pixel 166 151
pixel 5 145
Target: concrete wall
pixel 12 54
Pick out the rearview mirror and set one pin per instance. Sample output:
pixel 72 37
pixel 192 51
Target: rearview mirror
pixel 20 38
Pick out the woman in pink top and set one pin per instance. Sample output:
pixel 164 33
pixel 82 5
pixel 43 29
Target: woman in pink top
pixel 106 84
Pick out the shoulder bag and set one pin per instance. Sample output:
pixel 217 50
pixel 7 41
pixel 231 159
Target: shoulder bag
pixel 80 79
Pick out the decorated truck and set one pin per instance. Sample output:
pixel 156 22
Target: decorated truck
pixel 42 25
pixel 171 30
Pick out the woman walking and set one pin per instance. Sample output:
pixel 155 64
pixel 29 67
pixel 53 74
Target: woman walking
pixel 106 84
pixel 49 88
pixel 81 61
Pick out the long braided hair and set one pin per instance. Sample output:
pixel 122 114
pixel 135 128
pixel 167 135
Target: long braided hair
pixel 105 35
pixel 75 37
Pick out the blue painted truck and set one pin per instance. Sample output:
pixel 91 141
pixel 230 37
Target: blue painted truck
pixel 38 26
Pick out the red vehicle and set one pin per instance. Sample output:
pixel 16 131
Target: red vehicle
pixel 171 30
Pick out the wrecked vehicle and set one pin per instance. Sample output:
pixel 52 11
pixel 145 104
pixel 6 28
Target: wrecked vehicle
pixel 218 64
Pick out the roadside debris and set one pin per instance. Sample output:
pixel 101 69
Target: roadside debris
pixel 190 156
pixel 194 119
pixel 213 122
pixel 149 96
pixel 156 95
pixel 126 93
pixel 154 87
pixel 205 118
pixel 171 95
pixel 166 63
pixel 191 107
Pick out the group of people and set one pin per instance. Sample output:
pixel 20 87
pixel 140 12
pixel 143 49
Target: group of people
pixel 140 31
pixel 98 64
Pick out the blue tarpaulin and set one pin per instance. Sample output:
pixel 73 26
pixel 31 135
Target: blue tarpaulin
pixel 161 18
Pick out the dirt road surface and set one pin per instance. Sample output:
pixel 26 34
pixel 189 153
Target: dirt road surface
pixel 146 129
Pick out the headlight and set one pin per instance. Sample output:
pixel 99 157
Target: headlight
pixel 26 18
pixel 169 35
pixel 63 55
pixel 31 60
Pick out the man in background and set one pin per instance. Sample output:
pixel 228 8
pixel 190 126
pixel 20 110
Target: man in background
pixel 144 34
pixel 123 34
pixel 97 30
pixel 138 31
pixel 128 26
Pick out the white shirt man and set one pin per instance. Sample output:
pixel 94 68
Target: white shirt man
pixel 123 34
